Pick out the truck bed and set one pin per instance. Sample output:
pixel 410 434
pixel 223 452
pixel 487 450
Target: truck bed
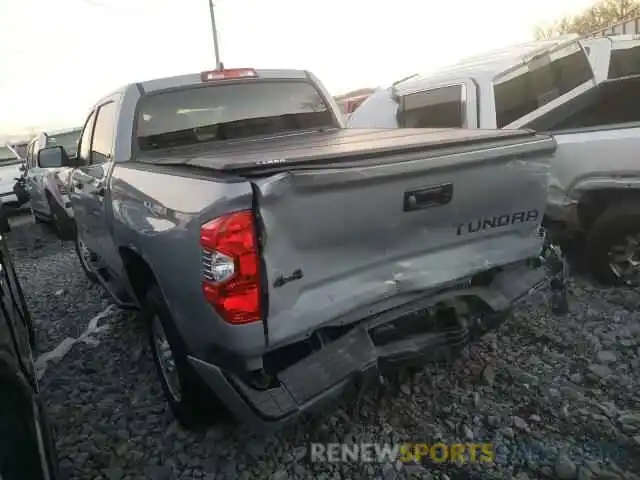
pixel 353 223
pixel 343 146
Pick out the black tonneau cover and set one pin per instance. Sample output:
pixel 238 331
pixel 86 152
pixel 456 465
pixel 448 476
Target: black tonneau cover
pixel 312 149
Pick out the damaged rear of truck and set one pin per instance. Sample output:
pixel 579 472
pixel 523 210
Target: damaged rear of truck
pixel 279 267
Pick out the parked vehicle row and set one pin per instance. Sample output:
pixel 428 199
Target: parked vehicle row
pixel 278 258
pixel 585 100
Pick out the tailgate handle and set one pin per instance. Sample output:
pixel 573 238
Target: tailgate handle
pixel 427 197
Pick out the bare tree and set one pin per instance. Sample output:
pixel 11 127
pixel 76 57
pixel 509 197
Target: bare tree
pixel 601 15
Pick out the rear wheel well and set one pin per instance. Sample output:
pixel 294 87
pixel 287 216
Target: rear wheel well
pixel 594 204
pixel 139 273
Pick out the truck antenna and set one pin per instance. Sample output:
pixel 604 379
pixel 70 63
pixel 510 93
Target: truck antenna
pixel 214 31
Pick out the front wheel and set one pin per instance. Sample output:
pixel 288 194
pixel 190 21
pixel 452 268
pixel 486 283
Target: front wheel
pixel 191 403
pixel 86 257
pixel 612 246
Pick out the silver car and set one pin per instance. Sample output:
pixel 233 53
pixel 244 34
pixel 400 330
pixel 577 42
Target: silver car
pixel 47 184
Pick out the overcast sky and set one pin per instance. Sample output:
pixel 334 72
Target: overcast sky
pixel 57 57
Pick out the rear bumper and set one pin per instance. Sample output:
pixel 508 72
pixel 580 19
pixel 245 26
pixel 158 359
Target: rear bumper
pixel 325 375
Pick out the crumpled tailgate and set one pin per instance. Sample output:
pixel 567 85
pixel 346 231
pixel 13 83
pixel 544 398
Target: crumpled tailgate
pixel 343 243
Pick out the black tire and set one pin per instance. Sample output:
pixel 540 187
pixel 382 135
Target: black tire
pixel 38 218
pixel 197 408
pixel 91 275
pixel 610 229
pixel 19 446
pixel 61 222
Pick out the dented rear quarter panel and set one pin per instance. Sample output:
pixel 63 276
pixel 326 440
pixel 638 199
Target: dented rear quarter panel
pixel 158 213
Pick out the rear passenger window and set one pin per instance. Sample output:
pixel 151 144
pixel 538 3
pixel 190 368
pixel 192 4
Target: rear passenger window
pixel 540 81
pixel 625 62
pixel 437 108
pixel 102 143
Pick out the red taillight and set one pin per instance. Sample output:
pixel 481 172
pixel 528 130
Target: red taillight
pixel 212 75
pixel 231 264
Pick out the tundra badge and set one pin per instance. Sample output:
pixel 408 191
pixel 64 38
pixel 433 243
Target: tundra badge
pixel 497 221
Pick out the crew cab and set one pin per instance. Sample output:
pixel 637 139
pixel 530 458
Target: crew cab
pixel 47 184
pixel 278 258
pixel 549 86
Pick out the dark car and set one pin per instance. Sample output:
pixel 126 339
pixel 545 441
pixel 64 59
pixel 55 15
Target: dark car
pixel 26 448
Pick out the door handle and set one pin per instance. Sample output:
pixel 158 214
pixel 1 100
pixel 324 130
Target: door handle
pixel 428 197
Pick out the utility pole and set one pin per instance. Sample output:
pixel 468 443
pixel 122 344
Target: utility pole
pixel 214 30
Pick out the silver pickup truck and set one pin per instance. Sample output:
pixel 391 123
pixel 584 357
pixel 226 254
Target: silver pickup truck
pixel 279 259
pixel 549 86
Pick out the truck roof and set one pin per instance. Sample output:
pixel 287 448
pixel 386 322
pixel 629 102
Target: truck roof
pixel 491 63
pixel 196 79
pixel 189 79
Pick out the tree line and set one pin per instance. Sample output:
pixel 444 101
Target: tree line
pixel 601 14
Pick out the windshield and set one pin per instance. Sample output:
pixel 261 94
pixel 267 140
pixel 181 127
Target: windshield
pixel 69 141
pixel 231 111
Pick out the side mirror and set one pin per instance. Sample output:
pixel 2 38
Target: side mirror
pixel 23 168
pixel 54 157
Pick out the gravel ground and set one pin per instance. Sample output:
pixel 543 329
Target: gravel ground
pixel 557 396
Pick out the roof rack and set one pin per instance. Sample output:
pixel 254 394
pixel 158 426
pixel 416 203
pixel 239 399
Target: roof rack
pixel 631 26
